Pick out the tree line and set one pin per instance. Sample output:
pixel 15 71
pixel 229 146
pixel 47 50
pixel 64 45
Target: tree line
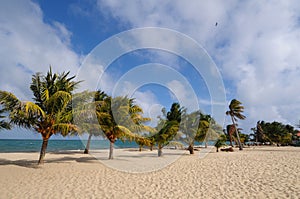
pixel 52 112
pixel 57 109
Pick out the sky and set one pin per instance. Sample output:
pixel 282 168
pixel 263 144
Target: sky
pixel 252 46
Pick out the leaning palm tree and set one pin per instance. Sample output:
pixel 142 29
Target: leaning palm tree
pixel 51 111
pixel 120 118
pixel 170 127
pixel 189 128
pixel 204 129
pixel 235 112
pixel 230 128
pixel 196 126
pixel 220 142
pixel 84 104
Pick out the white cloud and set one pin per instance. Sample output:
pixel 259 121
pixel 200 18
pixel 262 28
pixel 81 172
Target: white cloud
pixel 255 45
pixel 30 45
pixel 184 94
pixel 150 105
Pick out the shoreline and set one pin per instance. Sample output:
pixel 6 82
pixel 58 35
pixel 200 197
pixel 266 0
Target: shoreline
pixel 255 172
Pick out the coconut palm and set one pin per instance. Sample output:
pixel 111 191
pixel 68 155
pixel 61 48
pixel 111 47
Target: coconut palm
pixel 51 111
pixel 208 129
pixel 84 104
pixel 230 133
pixel 204 131
pixel 220 142
pixel 189 127
pixel 120 118
pixel 170 127
pixel 230 128
pixel 196 126
pixel 235 112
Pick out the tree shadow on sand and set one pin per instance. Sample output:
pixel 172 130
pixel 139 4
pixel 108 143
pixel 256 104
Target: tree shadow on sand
pixel 21 163
pixel 34 163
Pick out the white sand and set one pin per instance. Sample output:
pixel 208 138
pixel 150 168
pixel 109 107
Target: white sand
pixel 268 172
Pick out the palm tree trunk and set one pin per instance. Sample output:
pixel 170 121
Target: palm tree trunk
pixel 87 148
pixel 43 150
pixel 111 150
pixel 217 149
pixel 230 139
pixel 191 149
pixel 237 134
pixel 159 150
pixel 229 132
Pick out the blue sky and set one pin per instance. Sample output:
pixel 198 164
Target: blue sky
pixel 255 50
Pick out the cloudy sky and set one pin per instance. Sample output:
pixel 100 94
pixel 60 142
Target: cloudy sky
pixel 254 46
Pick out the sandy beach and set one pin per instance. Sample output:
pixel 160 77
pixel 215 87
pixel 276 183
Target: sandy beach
pixel 256 172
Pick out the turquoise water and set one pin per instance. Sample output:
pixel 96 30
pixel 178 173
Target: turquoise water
pixel 17 145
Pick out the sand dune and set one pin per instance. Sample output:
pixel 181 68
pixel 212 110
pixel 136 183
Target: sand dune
pixel 269 172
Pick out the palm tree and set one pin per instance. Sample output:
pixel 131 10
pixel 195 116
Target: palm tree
pixel 230 128
pixel 84 104
pixel 121 118
pixel 235 112
pixel 220 142
pixel 3 124
pixel 189 127
pixel 204 129
pixel 51 111
pixel 170 127
pixel 208 129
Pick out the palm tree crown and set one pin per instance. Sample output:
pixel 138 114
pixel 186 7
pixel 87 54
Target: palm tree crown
pixel 235 112
pixel 236 109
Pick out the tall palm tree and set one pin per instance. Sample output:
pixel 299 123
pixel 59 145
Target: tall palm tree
pixel 120 118
pixel 51 111
pixel 235 112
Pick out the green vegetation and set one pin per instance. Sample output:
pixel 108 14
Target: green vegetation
pixel 50 112
pixel 55 109
pixel 120 118
pixel 208 129
pixel 84 104
pixel 170 127
pixel 190 127
pixel 220 142
pixel 235 112
pixel 274 132
pixel 3 124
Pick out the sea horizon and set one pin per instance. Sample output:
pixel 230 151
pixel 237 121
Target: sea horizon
pixel 56 145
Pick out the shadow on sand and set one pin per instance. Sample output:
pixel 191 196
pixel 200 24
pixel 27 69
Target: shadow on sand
pixel 33 163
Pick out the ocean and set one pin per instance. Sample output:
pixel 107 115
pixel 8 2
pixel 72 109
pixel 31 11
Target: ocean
pixel 25 145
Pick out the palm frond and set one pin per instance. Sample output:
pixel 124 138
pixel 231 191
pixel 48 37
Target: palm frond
pixel 236 109
pixel 65 128
pixel 58 101
pixel 8 100
pixel 33 110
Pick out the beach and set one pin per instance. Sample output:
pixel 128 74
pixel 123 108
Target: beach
pixel 255 172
